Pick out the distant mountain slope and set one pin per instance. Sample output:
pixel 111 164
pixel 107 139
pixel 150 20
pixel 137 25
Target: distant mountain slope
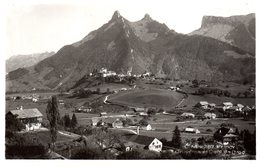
pixel 235 30
pixel 145 45
pixel 22 61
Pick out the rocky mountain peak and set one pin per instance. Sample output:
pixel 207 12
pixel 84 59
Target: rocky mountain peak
pixel 147 17
pixel 116 15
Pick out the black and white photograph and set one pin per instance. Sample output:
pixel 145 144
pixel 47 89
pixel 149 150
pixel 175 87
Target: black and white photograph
pixel 129 80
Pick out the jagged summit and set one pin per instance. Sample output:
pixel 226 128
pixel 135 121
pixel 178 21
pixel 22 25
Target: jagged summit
pixel 147 17
pixel 116 15
pixel 146 45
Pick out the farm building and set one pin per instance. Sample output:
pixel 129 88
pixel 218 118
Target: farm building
pixel 61 102
pixel 112 122
pixel 227 105
pixel 31 118
pixel 145 142
pixel 202 104
pixel 187 115
pixel 84 109
pixel 209 115
pixel 103 114
pixel 94 121
pixel 191 130
pixel 212 105
pixel 225 135
pixel 147 127
pixel 240 107
pixel 139 109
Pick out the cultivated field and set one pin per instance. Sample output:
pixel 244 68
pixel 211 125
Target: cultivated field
pixel 158 98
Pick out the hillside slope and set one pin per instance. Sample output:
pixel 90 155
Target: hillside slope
pixel 145 45
pixel 235 30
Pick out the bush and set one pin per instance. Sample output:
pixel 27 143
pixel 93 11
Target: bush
pixel 88 153
pixel 208 123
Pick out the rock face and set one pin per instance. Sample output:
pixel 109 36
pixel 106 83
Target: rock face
pixel 235 30
pixel 22 61
pixel 145 45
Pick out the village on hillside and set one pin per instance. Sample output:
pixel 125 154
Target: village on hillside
pixel 125 116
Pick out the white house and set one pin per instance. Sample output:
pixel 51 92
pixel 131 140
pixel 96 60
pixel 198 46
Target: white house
pixel 147 127
pixel 188 115
pixel 191 130
pixel 146 142
pixel 202 104
pixel 31 118
pixel 239 107
pixel 209 115
pixel 227 105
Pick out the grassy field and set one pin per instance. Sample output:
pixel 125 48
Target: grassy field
pixel 147 98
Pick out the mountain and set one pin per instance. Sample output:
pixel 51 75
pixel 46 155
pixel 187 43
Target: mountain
pixel 235 30
pixel 22 61
pixel 145 45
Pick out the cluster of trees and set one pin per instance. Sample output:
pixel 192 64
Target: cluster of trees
pixel 249 141
pixel 12 124
pixel 24 147
pixel 245 94
pixel 215 91
pixel 153 111
pixel 68 122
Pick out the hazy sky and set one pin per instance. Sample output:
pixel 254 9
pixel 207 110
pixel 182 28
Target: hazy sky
pixel 39 27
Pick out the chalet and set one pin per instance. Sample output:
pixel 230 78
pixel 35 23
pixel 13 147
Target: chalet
pixel 232 109
pixel 240 107
pixel 31 118
pixel 191 130
pixel 227 105
pixel 174 88
pixel 35 99
pixel 212 105
pixel 61 102
pixel 225 135
pixel 84 109
pixel 143 114
pixel 246 109
pixel 139 109
pixel 187 115
pixel 209 115
pixel 147 127
pixel 145 142
pixel 95 120
pixel 111 122
pixel 202 104
pixel 103 114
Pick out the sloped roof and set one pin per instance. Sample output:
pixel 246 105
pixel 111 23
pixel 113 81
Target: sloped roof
pixel 227 104
pixel 27 113
pixel 224 131
pixel 203 103
pixel 143 140
pixel 209 114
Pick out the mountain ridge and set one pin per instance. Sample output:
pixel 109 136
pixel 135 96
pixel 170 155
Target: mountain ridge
pixel 144 45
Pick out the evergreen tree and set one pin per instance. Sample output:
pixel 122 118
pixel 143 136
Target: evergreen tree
pixel 53 115
pixel 12 123
pixel 67 121
pixel 74 121
pixel 176 138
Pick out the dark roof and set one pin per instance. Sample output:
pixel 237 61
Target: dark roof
pixel 26 113
pixel 144 140
pixel 223 131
